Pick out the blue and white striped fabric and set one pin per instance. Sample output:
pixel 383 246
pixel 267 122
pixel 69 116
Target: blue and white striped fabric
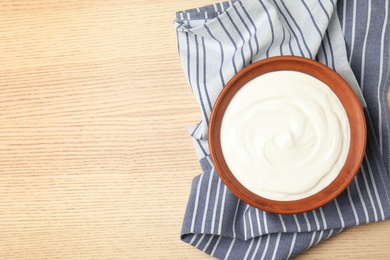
pixel 217 41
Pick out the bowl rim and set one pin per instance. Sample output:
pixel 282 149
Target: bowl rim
pixel 351 104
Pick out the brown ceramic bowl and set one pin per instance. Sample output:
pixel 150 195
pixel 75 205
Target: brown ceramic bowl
pixel 357 133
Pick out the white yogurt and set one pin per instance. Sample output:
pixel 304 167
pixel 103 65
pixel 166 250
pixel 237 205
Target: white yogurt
pixel 285 135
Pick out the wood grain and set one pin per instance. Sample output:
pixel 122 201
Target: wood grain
pixel 95 160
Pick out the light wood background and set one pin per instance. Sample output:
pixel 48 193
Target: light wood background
pixel 95 160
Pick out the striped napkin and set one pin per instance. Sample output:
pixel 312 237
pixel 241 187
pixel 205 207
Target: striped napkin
pixel 217 41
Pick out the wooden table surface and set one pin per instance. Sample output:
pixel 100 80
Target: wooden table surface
pixel 95 159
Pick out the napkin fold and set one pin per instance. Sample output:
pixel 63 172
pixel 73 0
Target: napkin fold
pixel 217 41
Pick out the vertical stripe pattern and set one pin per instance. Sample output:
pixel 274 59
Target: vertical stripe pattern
pixel 217 41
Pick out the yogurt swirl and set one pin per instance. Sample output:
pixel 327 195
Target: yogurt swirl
pixel 285 135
